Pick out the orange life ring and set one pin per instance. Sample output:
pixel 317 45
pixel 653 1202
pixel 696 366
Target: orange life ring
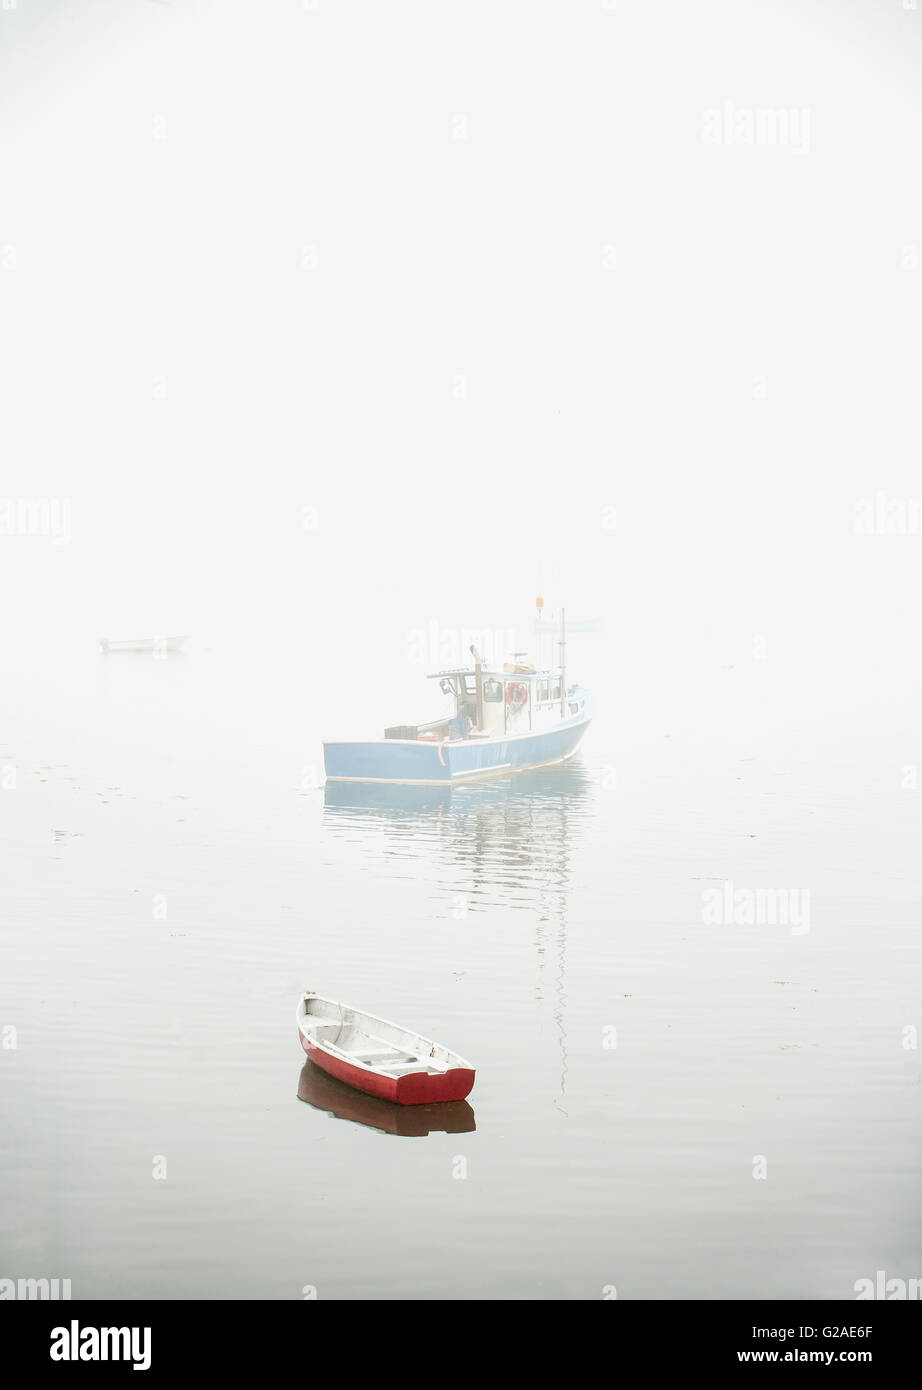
pixel 516 695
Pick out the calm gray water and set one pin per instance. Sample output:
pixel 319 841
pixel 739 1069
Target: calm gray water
pixel 173 878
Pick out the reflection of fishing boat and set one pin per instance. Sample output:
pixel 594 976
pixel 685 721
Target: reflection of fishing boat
pixel 501 721
pixel 479 838
pixel 503 844
pixel 324 1092
pixel 532 791
pixel 387 796
pixel 377 1057
pixel 159 646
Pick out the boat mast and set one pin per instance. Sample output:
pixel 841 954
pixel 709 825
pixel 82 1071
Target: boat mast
pixel 478 682
pixel 563 662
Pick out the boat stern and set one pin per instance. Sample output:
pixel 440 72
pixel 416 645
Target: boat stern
pixel 387 760
pixel 422 1088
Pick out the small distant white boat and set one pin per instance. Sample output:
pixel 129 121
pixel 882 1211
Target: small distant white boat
pixel 158 646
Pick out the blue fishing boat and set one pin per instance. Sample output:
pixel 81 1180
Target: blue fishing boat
pixel 500 721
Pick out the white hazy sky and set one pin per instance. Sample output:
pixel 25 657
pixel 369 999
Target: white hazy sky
pixel 459 277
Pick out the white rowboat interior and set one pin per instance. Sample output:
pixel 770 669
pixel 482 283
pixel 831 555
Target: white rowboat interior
pixel 366 1041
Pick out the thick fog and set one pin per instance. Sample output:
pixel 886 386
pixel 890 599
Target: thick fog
pixel 323 322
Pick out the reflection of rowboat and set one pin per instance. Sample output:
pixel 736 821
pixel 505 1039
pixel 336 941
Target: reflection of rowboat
pixel 160 646
pixel 377 1057
pixel 324 1092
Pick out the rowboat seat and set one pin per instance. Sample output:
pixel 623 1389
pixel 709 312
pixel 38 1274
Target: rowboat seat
pixel 414 1064
pixel 390 1056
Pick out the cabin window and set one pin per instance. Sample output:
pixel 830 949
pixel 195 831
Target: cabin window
pixel 542 691
pixel 554 690
pixel 493 692
pixel 470 685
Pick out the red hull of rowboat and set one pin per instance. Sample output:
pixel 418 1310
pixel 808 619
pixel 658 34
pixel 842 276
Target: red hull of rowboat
pixel 323 1092
pixel 417 1088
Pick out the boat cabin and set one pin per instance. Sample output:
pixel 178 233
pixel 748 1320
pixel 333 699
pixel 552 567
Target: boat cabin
pixel 515 700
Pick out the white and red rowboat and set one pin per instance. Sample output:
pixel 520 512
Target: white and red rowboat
pixel 378 1057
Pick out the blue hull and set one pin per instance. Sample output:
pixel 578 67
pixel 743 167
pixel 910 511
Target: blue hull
pixel 551 786
pixel 405 760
